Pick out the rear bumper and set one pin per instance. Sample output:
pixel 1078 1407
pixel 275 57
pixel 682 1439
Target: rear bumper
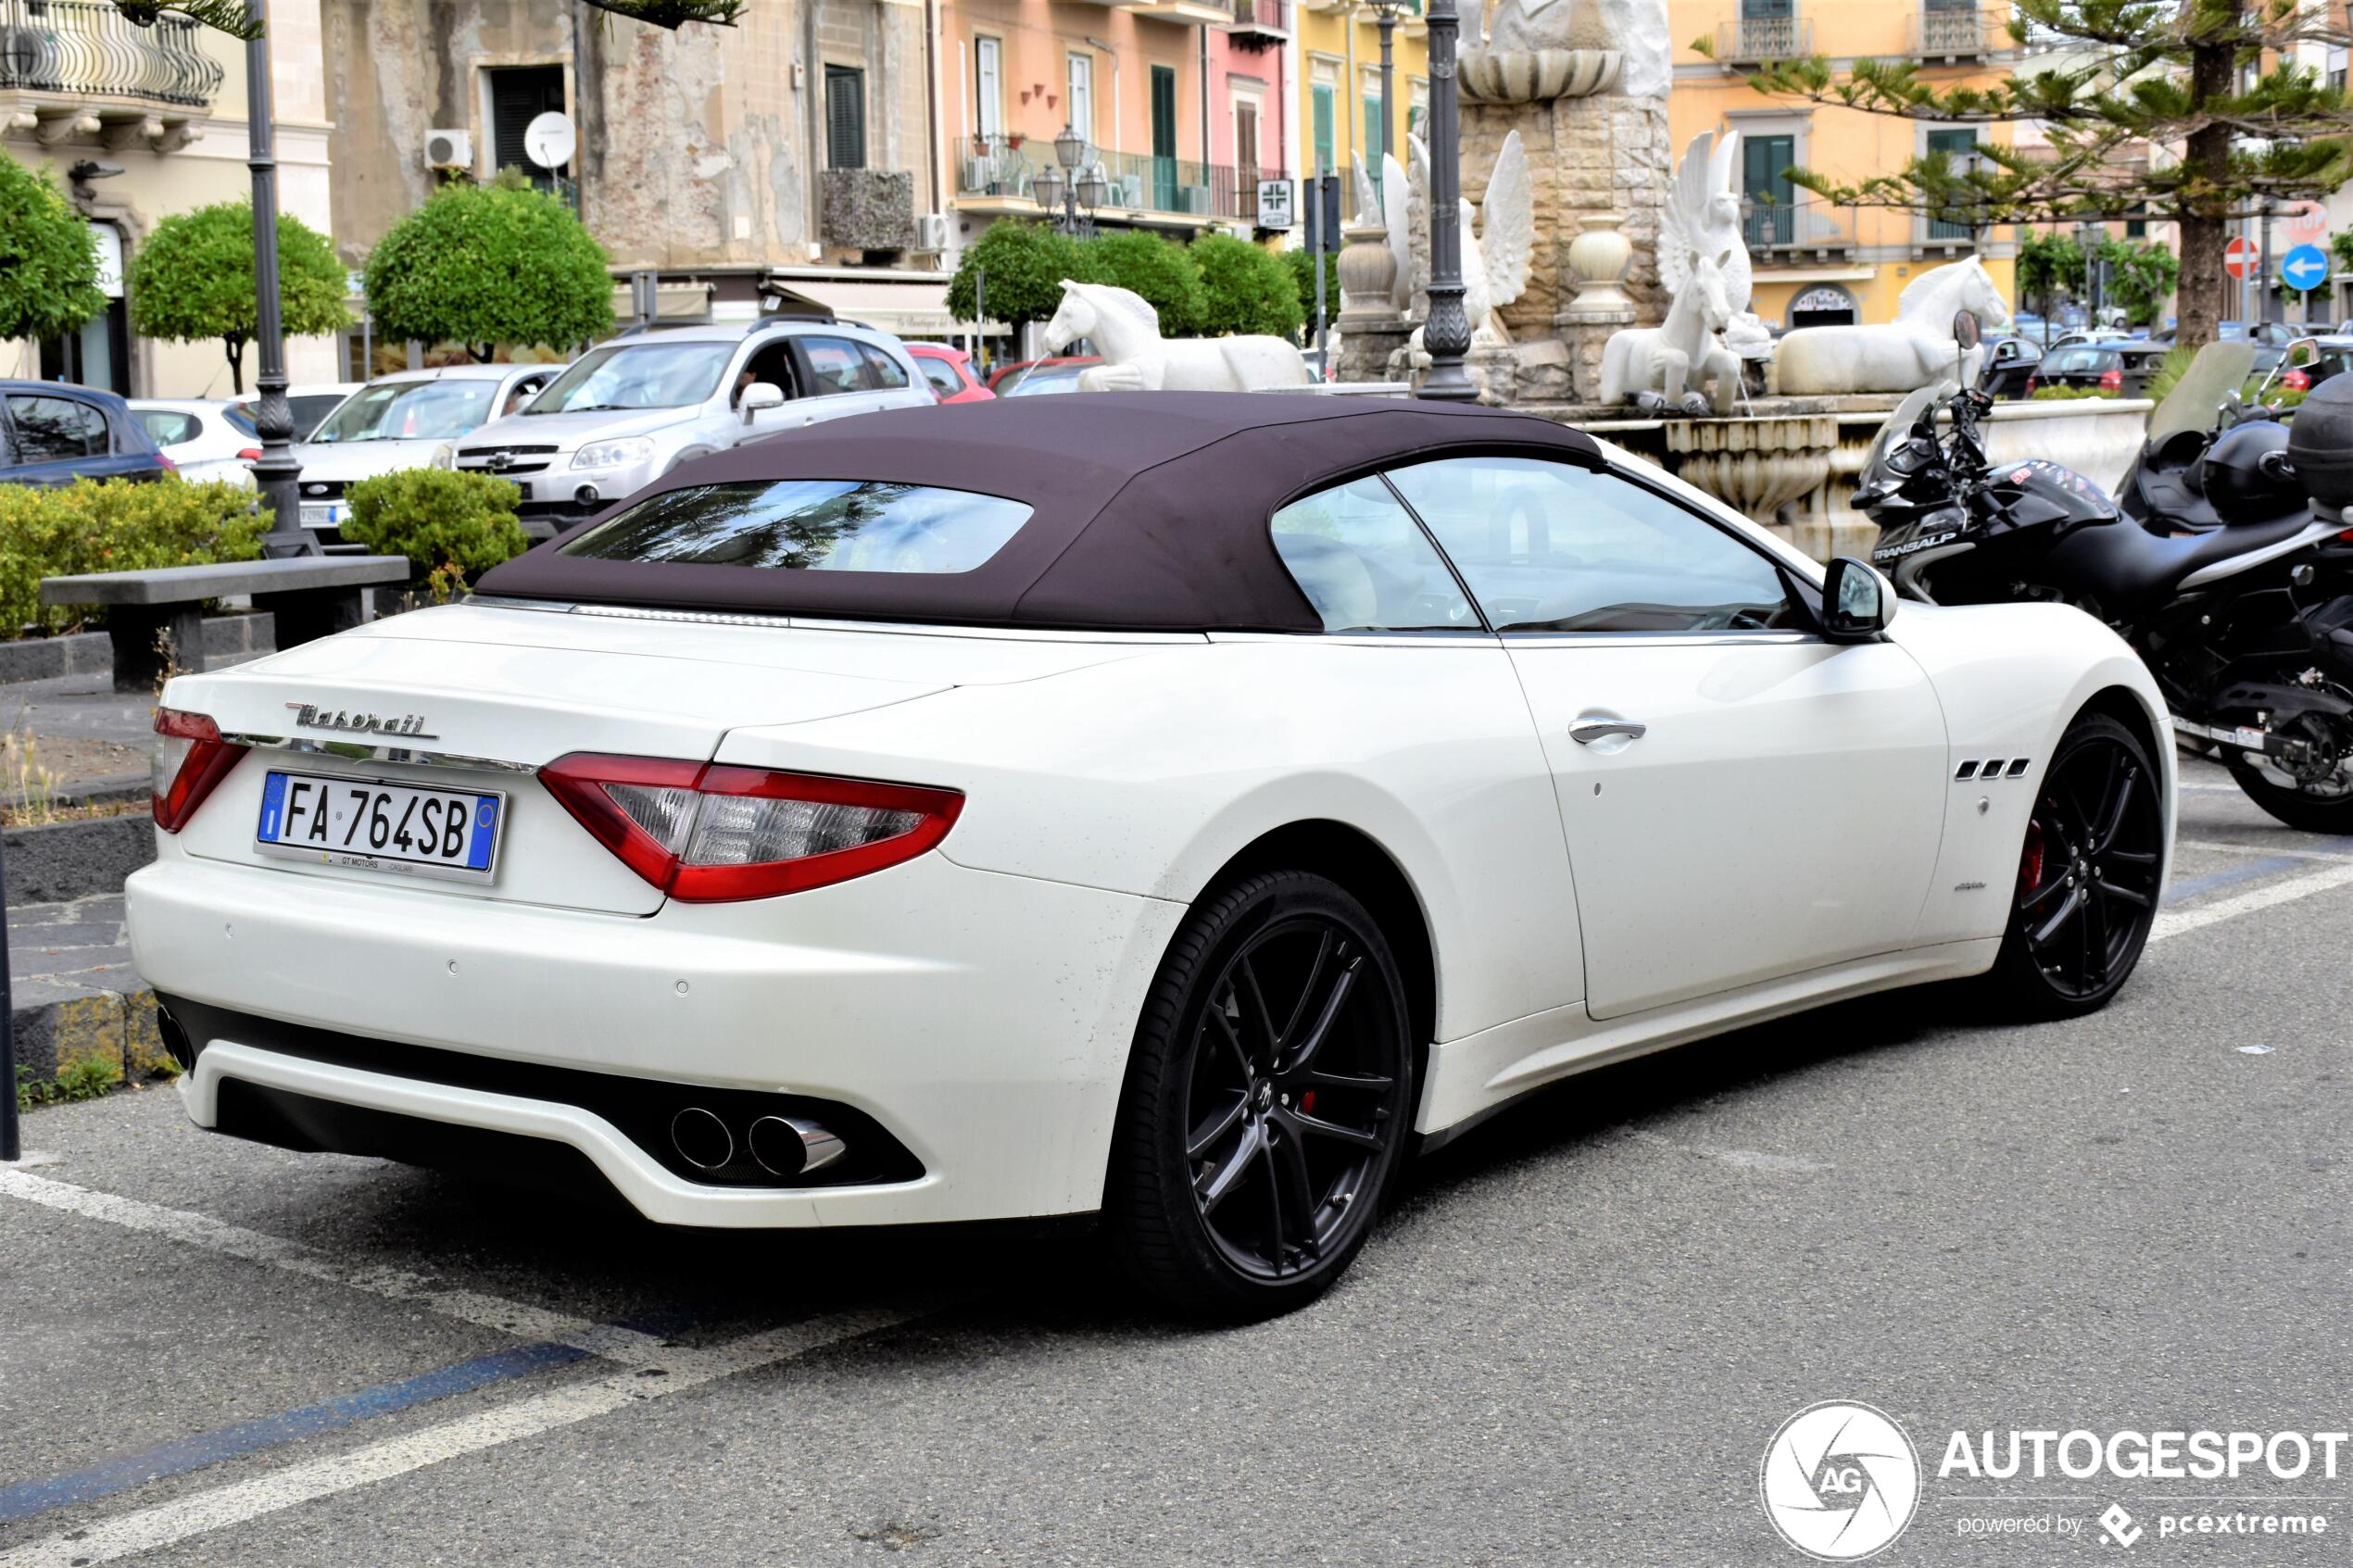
pixel 983 1021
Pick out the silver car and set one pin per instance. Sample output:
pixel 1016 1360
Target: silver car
pixel 410 419
pixel 630 410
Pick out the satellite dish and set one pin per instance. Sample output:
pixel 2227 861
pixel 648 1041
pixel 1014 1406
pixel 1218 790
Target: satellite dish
pixel 549 139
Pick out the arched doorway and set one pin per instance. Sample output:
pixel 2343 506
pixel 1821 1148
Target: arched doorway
pixel 1825 304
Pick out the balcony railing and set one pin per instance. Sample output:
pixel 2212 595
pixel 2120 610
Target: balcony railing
pixel 1752 39
pixel 1782 233
pixel 1006 166
pixel 87 48
pixel 1263 19
pixel 1957 32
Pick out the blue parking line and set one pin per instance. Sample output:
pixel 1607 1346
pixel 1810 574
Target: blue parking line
pixel 28 1497
pixel 2190 887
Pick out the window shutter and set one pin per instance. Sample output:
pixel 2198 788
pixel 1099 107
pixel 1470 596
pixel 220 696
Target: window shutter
pixel 845 118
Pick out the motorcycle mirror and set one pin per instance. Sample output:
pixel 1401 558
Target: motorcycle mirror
pixel 2302 354
pixel 1967 331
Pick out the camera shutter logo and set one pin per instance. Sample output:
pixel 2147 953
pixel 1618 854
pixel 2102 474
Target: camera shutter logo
pixel 1841 1481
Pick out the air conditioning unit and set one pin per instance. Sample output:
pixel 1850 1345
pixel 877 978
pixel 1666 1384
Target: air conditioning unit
pixel 448 149
pixel 1196 200
pixel 931 231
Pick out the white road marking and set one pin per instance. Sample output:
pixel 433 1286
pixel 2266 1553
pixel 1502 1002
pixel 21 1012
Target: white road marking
pixel 1746 1158
pixel 2262 851
pixel 625 1345
pixel 2173 923
pixel 222 1507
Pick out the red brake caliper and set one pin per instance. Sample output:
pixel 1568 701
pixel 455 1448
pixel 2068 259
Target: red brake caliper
pixel 2030 865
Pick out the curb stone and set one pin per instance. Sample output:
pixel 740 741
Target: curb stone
pixel 89 653
pixel 66 860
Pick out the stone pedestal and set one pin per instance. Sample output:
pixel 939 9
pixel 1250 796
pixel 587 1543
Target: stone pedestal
pixel 1756 466
pixel 1604 153
pixel 1367 345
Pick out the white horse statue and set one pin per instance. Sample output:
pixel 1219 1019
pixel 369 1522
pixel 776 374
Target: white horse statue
pixel 1126 330
pixel 1663 367
pixel 1910 352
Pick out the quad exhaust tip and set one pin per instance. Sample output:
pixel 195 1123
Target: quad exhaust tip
pixel 785 1147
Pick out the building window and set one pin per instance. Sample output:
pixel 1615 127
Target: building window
pixel 520 94
pixel 1825 304
pixel 1082 96
pixel 1764 165
pixel 1323 97
pixel 988 85
pixel 99 353
pixel 1373 110
pixel 845 118
pixel 1957 146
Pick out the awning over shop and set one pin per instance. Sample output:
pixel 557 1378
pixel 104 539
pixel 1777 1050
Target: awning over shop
pixel 908 307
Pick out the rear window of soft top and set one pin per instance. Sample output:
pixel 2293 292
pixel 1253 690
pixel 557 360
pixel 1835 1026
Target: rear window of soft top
pixel 810 525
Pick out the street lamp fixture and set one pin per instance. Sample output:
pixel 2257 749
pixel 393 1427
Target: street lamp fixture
pixel 1447 334
pixel 1388 13
pixel 1072 187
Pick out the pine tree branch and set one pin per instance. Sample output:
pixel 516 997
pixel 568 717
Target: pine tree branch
pixel 224 16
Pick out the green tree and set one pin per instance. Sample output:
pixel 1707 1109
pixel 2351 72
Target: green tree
pixel 2141 278
pixel 1163 272
pixel 1020 269
pixel 48 260
pixel 482 265
pixel 2219 79
pixel 2050 265
pixel 193 279
pixel 1301 263
pixel 1248 289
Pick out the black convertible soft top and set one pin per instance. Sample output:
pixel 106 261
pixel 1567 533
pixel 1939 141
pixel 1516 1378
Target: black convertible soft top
pixel 1150 509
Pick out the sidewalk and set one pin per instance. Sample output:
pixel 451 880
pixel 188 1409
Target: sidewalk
pixel 74 992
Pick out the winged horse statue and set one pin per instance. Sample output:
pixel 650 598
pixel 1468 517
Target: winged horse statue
pixel 1498 239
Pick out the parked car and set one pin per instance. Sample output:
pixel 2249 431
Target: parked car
pixel 1006 377
pixel 950 372
pixel 2009 367
pixel 310 405
pixel 204 438
pixel 406 420
pixel 1050 378
pixel 2081 366
pixel 52 433
pixel 630 410
pixel 939 857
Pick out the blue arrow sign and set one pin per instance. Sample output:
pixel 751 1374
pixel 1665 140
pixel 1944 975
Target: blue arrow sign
pixel 2304 268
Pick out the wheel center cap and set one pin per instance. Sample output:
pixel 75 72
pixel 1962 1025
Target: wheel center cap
pixel 1264 1095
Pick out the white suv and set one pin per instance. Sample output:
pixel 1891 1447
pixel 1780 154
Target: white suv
pixel 630 410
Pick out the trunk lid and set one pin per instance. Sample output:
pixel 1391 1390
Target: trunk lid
pixel 475 699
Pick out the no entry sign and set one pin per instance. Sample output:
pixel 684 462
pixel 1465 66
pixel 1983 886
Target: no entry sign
pixel 2240 258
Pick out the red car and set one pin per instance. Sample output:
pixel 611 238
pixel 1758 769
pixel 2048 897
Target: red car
pixel 949 371
pixel 1008 377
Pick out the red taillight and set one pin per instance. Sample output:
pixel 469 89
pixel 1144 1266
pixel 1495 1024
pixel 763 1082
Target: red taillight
pixel 2112 381
pixel 190 758
pixel 250 455
pixel 168 465
pixel 705 833
pixel 2030 386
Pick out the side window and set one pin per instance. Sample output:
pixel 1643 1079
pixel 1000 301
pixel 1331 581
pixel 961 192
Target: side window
pixel 1365 565
pixel 772 364
pixel 836 365
pixel 883 373
pixel 167 426
pixel 51 429
pixel 942 376
pixel 1549 546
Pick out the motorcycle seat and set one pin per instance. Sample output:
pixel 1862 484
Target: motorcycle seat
pixel 2122 563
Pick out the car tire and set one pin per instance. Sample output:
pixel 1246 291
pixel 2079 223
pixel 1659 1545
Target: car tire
pixel 1268 1102
pixel 2087 891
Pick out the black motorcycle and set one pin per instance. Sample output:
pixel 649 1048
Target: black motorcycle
pixel 2248 627
pixel 2204 430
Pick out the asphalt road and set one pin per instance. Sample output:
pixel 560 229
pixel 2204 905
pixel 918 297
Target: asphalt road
pixel 1570 1343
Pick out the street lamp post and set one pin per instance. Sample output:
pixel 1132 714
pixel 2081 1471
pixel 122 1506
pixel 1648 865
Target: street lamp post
pixel 1386 13
pixel 274 475
pixel 1068 192
pixel 1447 334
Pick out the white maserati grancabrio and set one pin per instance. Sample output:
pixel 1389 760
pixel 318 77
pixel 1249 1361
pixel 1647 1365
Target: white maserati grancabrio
pixel 1171 807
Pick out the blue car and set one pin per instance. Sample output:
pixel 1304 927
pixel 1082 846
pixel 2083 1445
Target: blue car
pixel 54 434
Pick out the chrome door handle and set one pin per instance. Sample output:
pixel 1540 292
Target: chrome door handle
pixel 1586 731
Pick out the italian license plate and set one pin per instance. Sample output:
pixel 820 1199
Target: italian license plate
pixel 321 514
pixel 384 827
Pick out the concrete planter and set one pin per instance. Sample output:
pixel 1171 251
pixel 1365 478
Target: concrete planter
pixel 89 653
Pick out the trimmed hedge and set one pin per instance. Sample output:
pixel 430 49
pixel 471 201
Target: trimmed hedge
pixel 444 520
pixel 117 525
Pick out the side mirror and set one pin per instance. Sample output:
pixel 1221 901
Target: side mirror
pixel 2302 354
pixel 1856 605
pixel 760 394
pixel 1967 330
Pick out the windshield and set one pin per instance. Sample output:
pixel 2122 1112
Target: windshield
pixel 415 411
pixel 1899 425
pixel 2219 369
pixel 637 375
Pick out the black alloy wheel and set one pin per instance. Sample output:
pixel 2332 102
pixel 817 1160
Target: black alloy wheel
pixel 1269 1101
pixel 2087 875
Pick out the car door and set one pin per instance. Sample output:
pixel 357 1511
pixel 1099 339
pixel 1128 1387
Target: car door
pixel 842 377
pixel 772 364
pixel 1742 799
pixel 60 438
